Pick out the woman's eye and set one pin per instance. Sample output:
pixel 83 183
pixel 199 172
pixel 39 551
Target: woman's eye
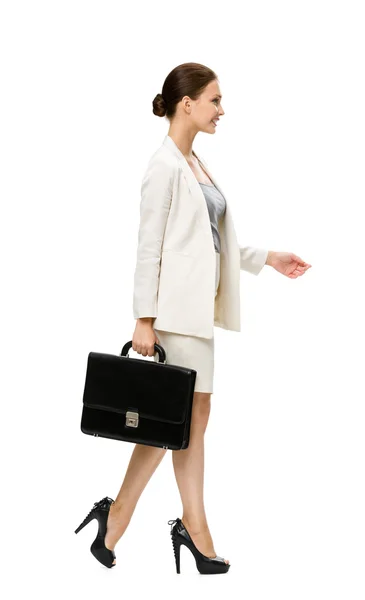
pixel 216 100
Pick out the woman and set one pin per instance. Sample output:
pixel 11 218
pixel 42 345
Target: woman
pixel 186 281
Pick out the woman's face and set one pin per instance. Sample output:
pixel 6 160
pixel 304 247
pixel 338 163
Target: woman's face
pixel 207 108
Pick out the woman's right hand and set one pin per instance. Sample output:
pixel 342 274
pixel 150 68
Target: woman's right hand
pixel 144 337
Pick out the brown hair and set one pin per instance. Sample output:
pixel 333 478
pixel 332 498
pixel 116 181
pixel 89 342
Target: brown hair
pixel 188 79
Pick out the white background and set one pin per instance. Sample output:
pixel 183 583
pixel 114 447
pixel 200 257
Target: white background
pixel 284 466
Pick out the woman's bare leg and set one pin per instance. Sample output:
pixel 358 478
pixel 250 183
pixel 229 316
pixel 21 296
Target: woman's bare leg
pixel 189 472
pixel 143 463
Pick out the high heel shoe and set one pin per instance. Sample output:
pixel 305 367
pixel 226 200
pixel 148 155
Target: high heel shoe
pixel 204 564
pixel 100 511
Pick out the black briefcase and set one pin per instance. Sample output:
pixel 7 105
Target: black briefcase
pixel 140 401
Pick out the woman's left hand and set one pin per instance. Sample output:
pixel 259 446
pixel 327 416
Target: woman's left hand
pixel 287 263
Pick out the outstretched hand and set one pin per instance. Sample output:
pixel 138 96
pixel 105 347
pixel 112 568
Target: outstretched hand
pixel 288 264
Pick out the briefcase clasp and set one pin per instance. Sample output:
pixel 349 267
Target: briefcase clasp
pixel 131 418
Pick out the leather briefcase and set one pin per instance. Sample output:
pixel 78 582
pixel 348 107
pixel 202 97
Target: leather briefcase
pixel 140 401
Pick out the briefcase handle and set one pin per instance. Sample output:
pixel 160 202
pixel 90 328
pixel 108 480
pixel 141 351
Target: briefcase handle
pixel 161 352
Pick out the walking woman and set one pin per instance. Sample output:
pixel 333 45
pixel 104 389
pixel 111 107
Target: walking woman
pixel 186 281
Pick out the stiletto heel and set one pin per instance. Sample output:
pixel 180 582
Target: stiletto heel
pixel 176 545
pixel 204 564
pixel 100 512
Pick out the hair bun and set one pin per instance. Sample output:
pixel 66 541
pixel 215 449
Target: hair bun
pixel 159 105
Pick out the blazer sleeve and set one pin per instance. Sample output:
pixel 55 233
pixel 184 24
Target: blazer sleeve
pixel 156 196
pixel 252 259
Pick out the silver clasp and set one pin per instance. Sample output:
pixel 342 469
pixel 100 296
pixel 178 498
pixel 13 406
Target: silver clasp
pixel 131 419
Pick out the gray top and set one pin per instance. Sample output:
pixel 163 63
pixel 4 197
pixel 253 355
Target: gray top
pixel 216 207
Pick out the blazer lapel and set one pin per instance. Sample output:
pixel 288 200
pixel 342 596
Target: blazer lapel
pixel 191 180
pixel 226 228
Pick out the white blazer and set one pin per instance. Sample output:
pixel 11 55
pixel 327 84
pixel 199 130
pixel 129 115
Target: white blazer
pixel 174 279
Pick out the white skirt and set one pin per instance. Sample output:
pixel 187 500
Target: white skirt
pixel 191 351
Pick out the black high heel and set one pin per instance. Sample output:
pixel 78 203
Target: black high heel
pixel 100 511
pixel 204 564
